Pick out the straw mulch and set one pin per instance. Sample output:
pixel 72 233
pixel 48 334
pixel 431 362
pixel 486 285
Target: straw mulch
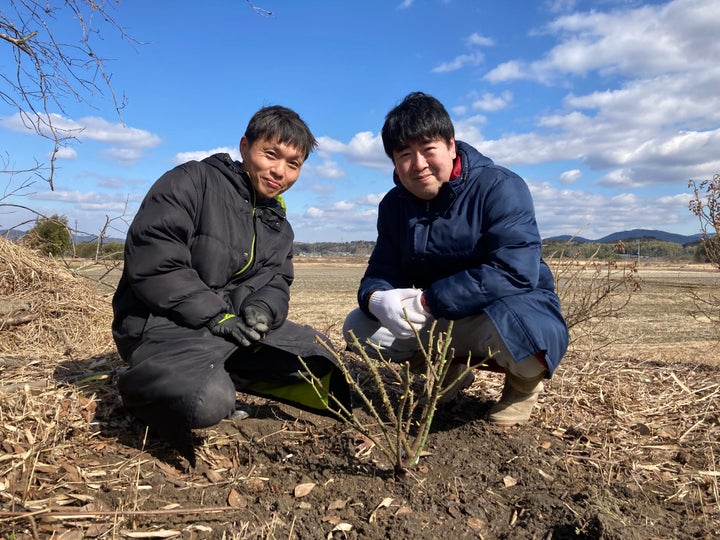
pixel 648 428
pixel 46 312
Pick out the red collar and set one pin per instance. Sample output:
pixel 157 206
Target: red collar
pixel 457 168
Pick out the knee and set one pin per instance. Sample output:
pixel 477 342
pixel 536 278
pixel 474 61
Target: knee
pixel 214 401
pixel 530 368
pixel 355 325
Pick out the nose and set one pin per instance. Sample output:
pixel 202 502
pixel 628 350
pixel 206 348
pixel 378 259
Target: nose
pixel 418 161
pixel 278 169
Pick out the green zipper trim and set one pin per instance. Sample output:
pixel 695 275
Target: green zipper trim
pixel 254 237
pixel 279 199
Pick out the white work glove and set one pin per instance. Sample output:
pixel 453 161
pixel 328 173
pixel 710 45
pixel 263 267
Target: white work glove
pixel 398 309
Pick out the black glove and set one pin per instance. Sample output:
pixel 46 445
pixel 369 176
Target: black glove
pixel 229 326
pixel 258 318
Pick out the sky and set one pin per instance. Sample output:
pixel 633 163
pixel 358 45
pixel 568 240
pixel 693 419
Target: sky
pixel 606 108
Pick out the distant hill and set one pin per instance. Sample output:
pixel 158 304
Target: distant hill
pixel 634 234
pixel 364 247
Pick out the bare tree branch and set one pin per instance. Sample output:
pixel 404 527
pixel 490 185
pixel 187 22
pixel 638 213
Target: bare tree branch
pixel 50 72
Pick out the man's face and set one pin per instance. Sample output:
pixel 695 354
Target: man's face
pixel 273 166
pixel 423 167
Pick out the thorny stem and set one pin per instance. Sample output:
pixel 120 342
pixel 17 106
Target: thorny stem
pixel 346 416
pixel 399 442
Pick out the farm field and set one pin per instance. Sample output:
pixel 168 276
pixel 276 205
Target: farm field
pixel 624 445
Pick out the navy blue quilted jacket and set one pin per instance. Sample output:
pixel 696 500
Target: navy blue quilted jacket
pixel 475 247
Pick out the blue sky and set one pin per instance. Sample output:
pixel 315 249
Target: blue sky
pixel 605 108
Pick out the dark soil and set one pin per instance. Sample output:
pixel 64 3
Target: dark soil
pixel 599 459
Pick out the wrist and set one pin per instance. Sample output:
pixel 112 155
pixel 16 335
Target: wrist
pixel 219 318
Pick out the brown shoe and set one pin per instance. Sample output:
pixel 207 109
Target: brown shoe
pixel 517 401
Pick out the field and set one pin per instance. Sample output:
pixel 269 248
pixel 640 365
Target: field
pixel 624 445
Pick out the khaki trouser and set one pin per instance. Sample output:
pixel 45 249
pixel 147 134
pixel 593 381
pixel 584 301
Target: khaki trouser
pixel 474 336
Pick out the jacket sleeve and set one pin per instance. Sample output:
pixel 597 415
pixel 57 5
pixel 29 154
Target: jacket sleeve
pixel 382 271
pixel 509 259
pixel 270 288
pixel 157 251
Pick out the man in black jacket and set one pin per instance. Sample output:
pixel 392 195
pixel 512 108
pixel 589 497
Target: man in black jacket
pixel 201 308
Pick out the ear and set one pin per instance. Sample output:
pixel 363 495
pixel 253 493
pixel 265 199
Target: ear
pixel 452 149
pixel 244 147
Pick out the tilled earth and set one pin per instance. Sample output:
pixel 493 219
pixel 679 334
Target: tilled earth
pixel 605 456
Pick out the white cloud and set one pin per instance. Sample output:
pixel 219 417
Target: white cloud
pixel 659 124
pixel 128 142
pixel 367 149
pixel 459 62
pixel 65 152
pixel 327 169
pixel 123 155
pixel 370 199
pixel 492 102
pixel 569 177
pixel 646 41
pixel 476 39
pixel 84 200
pixel 507 71
pixel 327 145
pixel 343 206
pixel 342 220
pixel 199 155
pixel 593 215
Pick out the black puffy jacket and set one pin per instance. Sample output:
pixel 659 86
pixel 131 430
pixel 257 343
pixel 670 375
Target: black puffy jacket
pixel 201 244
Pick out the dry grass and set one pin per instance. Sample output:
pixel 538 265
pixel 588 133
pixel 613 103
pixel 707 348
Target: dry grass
pixel 645 408
pixel 46 312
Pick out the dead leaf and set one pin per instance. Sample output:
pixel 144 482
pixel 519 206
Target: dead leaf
pixel 476 524
pixel 213 476
pixel 303 489
pixel 363 446
pixel 340 527
pixel 236 500
pixel 509 481
pixel 168 470
pixel 387 501
pixel 337 504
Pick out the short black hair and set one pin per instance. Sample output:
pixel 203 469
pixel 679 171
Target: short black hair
pixel 278 123
pixel 418 117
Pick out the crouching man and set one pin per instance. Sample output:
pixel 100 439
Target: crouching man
pixel 457 240
pixel 201 308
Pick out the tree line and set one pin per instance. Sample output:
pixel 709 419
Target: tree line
pixel 52 236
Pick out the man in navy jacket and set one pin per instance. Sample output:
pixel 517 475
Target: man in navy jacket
pixel 458 241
